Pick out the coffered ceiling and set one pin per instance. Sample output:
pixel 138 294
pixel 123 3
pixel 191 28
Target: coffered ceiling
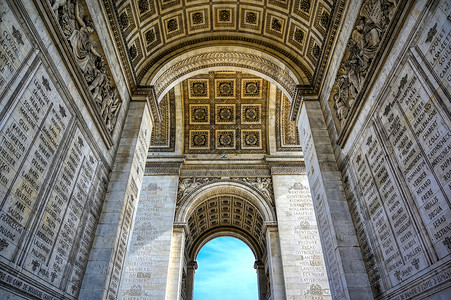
pixel 152 32
pixel 225 112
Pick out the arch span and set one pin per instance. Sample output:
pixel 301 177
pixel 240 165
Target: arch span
pixel 217 58
pixel 224 187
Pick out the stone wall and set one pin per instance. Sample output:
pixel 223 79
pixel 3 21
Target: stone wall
pixel 394 159
pixel 302 257
pixel 147 264
pixel 55 158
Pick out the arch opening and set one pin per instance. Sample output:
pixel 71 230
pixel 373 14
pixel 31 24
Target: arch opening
pixel 225 209
pixel 225 270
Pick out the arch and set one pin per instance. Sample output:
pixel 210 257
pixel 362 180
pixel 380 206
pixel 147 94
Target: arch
pixel 244 203
pixel 215 58
pixel 225 231
pixel 224 187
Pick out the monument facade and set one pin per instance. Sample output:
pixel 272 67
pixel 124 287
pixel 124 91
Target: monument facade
pixel 133 132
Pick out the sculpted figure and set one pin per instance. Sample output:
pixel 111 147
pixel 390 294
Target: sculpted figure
pixel 375 16
pixel 80 34
pixel 82 46
pixel 342 110
pixel 57 4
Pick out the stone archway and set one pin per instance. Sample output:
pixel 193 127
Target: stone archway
pixel 233 58
pixel 225 208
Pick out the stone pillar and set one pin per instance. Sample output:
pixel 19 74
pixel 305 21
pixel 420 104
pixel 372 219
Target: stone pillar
pixel 106 260
pixel 345 268
pixel 190 270
pixel 302 256
pixel 275 266
pixel 147 266
pixel 176 262
pixel 261 279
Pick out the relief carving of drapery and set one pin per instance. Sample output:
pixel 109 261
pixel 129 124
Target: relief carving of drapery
pixel 367 34
pixel 79 31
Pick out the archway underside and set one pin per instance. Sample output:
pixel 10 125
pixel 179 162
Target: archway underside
pixel 225 214
pixel 224 58
pixel 153 31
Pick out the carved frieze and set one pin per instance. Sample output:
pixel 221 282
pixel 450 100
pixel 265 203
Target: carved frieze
pixel 262 185
pixel 222 171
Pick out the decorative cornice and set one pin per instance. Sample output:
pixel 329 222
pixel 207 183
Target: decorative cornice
pixel 120 42
pixel 221 171
pixel 337 13
pixel 286 165
pixel 296 103
pixel 163 165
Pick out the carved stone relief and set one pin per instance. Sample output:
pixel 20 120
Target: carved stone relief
pixel 76 24
pixel 367 37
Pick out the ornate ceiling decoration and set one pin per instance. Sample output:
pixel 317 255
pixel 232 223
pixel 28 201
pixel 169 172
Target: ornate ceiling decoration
pixel 296 31
pixel 226 211
pixel 220 58
pixel 225 112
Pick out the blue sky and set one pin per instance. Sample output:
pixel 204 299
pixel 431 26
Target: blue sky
pixel 225 271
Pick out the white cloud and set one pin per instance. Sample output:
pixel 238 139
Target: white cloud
pixel 226 271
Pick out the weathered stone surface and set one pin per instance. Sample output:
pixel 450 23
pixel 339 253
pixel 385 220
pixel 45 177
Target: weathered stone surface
pixel 144 274
pixel 61 121
pixel 302 256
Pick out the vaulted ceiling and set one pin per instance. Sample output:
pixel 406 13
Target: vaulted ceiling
pixel 295 32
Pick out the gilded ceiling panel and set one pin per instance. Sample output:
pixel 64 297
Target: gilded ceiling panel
pixel 225 112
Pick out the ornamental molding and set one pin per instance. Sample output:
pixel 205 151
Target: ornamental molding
pixel 165 79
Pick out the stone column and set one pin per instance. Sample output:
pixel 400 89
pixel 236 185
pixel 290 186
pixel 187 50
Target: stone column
pixel 261 278
pixel 302 256
pixel 106 260
pixel 176 261
pixel 147 265
pixel 345 268
pixel 275 266
pixel 190 270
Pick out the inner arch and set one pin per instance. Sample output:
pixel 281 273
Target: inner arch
pixel 229 214
pixel 218 58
